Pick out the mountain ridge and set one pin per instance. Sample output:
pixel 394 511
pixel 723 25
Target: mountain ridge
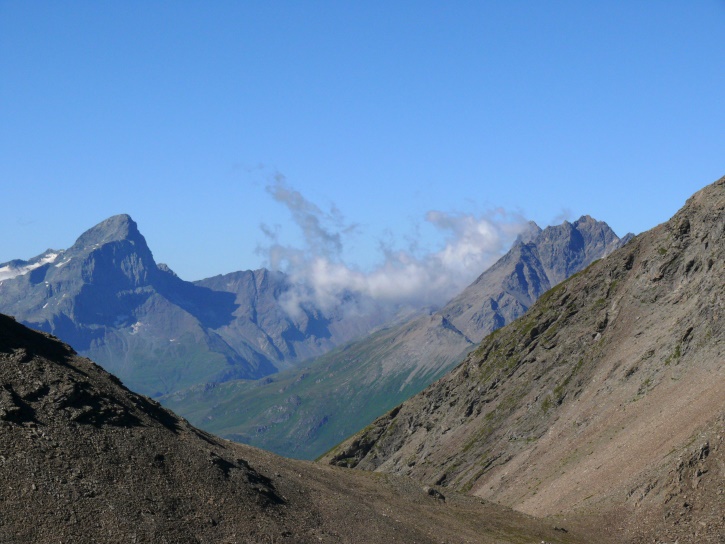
pixel 107 297
pixel 607 396
pixel 305 411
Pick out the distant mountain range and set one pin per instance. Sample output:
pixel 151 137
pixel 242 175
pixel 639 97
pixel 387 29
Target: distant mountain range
pixel 108 298
pixel 201 347
pixel 307 410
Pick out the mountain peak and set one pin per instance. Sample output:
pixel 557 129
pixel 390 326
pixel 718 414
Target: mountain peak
pixel 114 229
pixel 530 232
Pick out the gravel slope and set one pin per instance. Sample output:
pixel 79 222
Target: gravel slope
pixel 82 459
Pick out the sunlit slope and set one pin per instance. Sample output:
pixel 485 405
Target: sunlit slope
pixel 607 397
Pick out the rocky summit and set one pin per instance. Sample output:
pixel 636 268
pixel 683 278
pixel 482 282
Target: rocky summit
pixel 604 405
pixel 83 460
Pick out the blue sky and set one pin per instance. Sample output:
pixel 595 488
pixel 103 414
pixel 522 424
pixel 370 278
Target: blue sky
pixel 186 115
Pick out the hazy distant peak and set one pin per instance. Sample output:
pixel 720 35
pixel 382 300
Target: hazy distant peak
pixel 529 234
pixel 554 231
pixel 587 221
pixel 114 229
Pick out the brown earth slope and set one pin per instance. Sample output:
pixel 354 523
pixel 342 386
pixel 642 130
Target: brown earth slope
pixel 82 459
pixel 604 405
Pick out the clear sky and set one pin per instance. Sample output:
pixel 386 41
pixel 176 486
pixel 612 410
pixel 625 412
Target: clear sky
pixel 186 115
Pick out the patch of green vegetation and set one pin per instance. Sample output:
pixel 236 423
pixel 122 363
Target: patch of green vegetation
pixel 156 368
pixel 471 481
pixel 497 363
pixel 482 433
pixel 302 418
pixel 674 356
pixel 560 389
pixel 546 404
pixel 528 326
pixel 643 388
pixel 662 251
pixel 545 299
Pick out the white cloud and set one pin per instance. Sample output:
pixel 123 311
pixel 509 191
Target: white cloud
pixel 403 277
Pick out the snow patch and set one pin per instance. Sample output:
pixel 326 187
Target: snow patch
pixel 8 272
pixel 135 327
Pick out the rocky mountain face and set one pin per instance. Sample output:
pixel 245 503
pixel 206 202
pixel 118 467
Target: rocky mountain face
pixel 606 399
pixel 83 459
pixel 306 411
pixel 285 338
pixel 533 266
pixel 108 298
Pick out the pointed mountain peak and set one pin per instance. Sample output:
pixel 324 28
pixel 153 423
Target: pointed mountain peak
pixel 530 232
pixel 587 222
pixel 128 264
pixel 114 229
